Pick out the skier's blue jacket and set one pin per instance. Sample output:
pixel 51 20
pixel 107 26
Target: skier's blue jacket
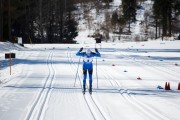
pixel 88 59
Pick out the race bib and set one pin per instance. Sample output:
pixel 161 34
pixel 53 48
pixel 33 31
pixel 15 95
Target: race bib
pixel 86 59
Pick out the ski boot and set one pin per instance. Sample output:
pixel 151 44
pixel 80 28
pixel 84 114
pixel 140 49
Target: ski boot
pixel 84 89
pixel 90 89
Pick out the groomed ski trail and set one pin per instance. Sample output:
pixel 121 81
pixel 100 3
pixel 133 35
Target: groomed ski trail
pixel 147 110
pixel 94 108
pixel 37 110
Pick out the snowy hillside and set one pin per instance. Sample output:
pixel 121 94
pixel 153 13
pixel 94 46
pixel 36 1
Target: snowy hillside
pixel 130 77
pixel 96 20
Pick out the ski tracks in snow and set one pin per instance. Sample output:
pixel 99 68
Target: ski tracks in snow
pixel 37 110
pixel 170 71
pixel 150 112
pixel 94 108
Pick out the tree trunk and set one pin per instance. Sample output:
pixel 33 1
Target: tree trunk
pixel 164 24
pixel 170 17
pixel 120 32
pixel 40 21
pixel 1 19
pixel 129 18
pixel 61 20
pixel 9 20
pixel 159 31
pixel 156 28
pixel 129 26
pixel 26 18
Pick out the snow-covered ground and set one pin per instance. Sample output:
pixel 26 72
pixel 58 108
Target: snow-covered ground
pixel 46 80
pixel 43 76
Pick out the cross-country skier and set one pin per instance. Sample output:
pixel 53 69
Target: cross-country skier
pixel 88 65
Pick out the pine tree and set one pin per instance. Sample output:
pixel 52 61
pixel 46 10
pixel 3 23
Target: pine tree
pixel 114 18
pixel 176 10
pixel 156 14
pixel 1 19
pixel 71 30
pixel 164 15
pixel 129 11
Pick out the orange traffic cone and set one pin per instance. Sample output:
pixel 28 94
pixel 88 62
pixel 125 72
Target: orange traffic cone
pixel 179 86
pixel 165 86
pixel 169 88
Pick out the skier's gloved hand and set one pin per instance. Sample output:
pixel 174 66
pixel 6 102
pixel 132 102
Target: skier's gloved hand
pixel 96 49
pixel 81 49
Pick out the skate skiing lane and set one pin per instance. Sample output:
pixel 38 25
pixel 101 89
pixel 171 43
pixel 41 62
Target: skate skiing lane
pixel 168 65
pixel 148 112
pixel 139 110
pixel 130 77
pixel 167 75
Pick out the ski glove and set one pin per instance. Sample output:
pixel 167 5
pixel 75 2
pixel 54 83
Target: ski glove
pixel 81 49
pixel 96 49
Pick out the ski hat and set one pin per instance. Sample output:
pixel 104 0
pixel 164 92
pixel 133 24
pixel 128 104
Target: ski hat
pixel 88 51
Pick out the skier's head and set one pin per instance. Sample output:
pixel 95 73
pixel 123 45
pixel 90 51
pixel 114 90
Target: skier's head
pixel 88 51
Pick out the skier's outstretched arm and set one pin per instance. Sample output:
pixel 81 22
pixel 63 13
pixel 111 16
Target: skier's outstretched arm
pixel 97 54
pixel 80 53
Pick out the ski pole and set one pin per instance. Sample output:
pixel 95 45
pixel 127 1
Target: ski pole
pixel 77 71
pixel 96 69
pixel 96 72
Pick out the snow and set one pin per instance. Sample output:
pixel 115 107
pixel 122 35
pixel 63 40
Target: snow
pixel 83 38
pixel 42 82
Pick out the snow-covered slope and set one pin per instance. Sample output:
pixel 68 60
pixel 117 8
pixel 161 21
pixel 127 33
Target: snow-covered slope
pixel 95 21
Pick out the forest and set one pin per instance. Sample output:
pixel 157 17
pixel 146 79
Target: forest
pixel 56 21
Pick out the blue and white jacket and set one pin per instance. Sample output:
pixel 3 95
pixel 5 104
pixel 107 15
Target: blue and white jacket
pixel 87 60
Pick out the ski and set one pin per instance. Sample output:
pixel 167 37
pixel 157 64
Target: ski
pixel 90 91
pixel 84 92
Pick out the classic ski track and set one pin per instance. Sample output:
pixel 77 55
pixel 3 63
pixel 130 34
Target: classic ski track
pixel 152 113
pixel 37 109
pixel 74 67
pixel 92 105
pixel 167 71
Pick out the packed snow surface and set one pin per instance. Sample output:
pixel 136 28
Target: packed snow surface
pixel 46 82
